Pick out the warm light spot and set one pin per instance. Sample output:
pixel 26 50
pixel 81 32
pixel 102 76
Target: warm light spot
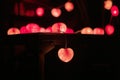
pixel 56 12
pixel 59 27
pixel 114 10
pixel 108 4
pixel 69 6
pixel 40 11
pixel 98 31
pixel 65 54
pixel 109 29
pixel 87 30
pixel 33 27
pixel 13 31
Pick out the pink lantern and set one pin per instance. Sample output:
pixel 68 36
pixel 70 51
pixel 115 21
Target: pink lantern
pixel 59 27
pixel 56 12
pixel 65 54
pixel 33 27
pixel 109 29
pixel 98 31
pixel 114 10
pixel 13 31
pixel 23 30
pixel 40 11
pixel 69 6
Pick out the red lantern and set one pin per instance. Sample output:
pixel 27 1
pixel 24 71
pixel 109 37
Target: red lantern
pixel 98 31
pixel 114 10
pixel 13 31
pixel 109 29
pixel 56 12
pixel 69 6
pixel 33 28
pixel 65 54
pixel 29 13
pixel 40 11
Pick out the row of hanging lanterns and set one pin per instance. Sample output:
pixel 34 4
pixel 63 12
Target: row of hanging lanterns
pixel 66 54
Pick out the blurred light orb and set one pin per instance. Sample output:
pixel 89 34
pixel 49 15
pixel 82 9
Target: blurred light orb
pixel 114 10
pixel 65 54
pixel 13 31
pixel 33 27
pixel 108 4
pixel 40 11
pixel 69 6
pixel 87 30
pixel 56 12
pixel 109 29
pixel 59 27
pixel 98 31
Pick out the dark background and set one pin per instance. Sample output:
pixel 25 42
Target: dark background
pixel 96 57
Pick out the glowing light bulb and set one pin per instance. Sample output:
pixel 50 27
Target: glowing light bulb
pixel 114 10
pixel 87 30
pixel 40 11
pixel 69 6
pixel 56 12
pixel 108 4
pixel 109 29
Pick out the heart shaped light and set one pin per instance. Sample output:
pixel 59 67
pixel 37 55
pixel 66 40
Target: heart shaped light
pixel 65 54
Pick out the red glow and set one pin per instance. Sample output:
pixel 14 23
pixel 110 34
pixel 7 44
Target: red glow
pixel 69 30
pixel 109 29
pixel 23 30
pixel 56 12
pixel 29 13
pixel 48 29
pixel 65 54
pixel 33 28
pixel 13 31
pixel 114 10
pixel 69 6
pixel 98 31
pixel 40 11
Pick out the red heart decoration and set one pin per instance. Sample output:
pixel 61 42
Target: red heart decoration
pixel 65 54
